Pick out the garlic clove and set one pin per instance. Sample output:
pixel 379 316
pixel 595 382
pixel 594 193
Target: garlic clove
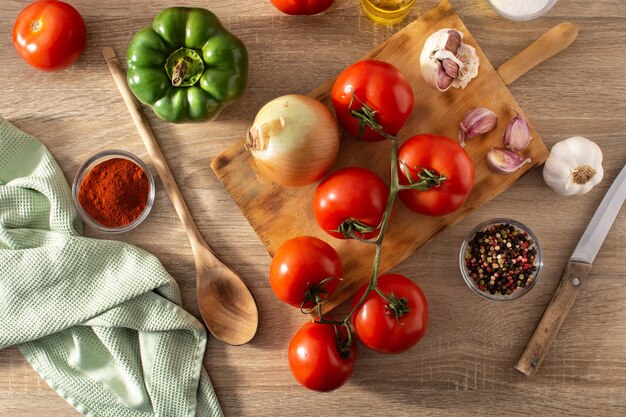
pixel 433 68
pixel 454 40
pixel 444 81
pixel 517 134
pixel 444 51
pixel 450 67
pixel 476 122
pixel 504 161
pixel 467 55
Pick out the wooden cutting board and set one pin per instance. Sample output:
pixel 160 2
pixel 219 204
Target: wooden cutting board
pixel 279 213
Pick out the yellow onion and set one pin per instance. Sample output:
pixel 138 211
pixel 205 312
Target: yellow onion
pixel 294 140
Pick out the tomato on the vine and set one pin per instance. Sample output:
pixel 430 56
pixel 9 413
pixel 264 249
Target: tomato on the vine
pixel 440 156
pixel 391 327
pixel 379 86
pixel 304 268
pixel 318 357
pixel 302 7
pixel 49 34
pixel 350 200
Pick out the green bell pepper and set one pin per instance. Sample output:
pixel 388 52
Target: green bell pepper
pixel 186 66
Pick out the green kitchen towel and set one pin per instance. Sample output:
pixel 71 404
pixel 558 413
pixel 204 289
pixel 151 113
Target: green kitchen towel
pixel 99 320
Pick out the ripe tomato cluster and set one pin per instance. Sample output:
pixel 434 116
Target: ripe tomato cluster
pixel 432 175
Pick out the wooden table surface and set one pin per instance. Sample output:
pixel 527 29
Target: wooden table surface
pixel 464 364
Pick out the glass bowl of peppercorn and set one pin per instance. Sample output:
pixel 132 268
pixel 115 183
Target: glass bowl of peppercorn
pixel 501 259
pixel 113 191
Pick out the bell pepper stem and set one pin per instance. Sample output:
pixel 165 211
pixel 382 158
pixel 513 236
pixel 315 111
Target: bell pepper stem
pixel 180 72
pixel 184 66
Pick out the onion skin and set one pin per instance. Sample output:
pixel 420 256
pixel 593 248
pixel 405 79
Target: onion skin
pixel 294 140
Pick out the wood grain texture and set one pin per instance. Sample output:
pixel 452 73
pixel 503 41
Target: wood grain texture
pixel 271 209
pixel 549 44
pixel 464 364
pixel 574 275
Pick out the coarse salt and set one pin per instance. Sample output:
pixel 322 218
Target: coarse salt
pixel 520 8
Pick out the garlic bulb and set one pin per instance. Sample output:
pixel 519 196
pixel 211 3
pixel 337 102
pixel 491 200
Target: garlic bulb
pixel 574 166
pixel 447 62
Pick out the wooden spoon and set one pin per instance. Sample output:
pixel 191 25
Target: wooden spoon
pixel 226 304
pixel 548 45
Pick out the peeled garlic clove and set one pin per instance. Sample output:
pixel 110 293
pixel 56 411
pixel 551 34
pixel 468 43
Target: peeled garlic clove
pixel 446 61
pixel 504 161
pixel 476 122
pixel 517 135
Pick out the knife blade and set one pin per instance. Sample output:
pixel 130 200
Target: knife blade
pixel 575 272
pixel 601 222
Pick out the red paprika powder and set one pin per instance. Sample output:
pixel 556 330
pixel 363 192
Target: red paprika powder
pixel 114 192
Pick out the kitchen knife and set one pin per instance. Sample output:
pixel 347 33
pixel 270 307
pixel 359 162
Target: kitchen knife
pixel 575 273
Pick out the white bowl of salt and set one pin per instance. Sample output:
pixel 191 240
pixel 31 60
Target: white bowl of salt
pixel 521 9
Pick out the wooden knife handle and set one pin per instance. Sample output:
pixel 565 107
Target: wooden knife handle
pixel 553 317
pixel 549 44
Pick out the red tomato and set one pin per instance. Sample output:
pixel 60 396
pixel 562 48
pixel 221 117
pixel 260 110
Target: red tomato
pixel 49 35
pixel 444 156
pixel 298 268
pixel 353 195
pixel 379 85
pixel 379 328
pixel 302 7
pixel 315 358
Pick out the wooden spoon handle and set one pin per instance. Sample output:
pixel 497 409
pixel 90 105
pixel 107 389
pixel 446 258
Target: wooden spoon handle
pixel 553 317
pixel 549 44
pixel 158 159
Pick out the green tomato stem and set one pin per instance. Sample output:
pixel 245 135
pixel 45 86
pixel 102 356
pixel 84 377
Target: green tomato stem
pixel 367 118
pixel 394 187
pixel 349 229
pixel 353 235
pixel 426 180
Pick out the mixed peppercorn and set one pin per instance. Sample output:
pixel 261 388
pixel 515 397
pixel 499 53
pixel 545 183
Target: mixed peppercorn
pixel 501 259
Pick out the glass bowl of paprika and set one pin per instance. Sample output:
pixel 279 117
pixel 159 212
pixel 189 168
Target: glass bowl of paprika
pixel 113 191
pixel 501 259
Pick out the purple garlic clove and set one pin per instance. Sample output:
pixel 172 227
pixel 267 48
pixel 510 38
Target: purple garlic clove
pixel 450 67
pixel 454 41
pixel 476 122
pixel 517 135
pixel 443 80
pixel 504 161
